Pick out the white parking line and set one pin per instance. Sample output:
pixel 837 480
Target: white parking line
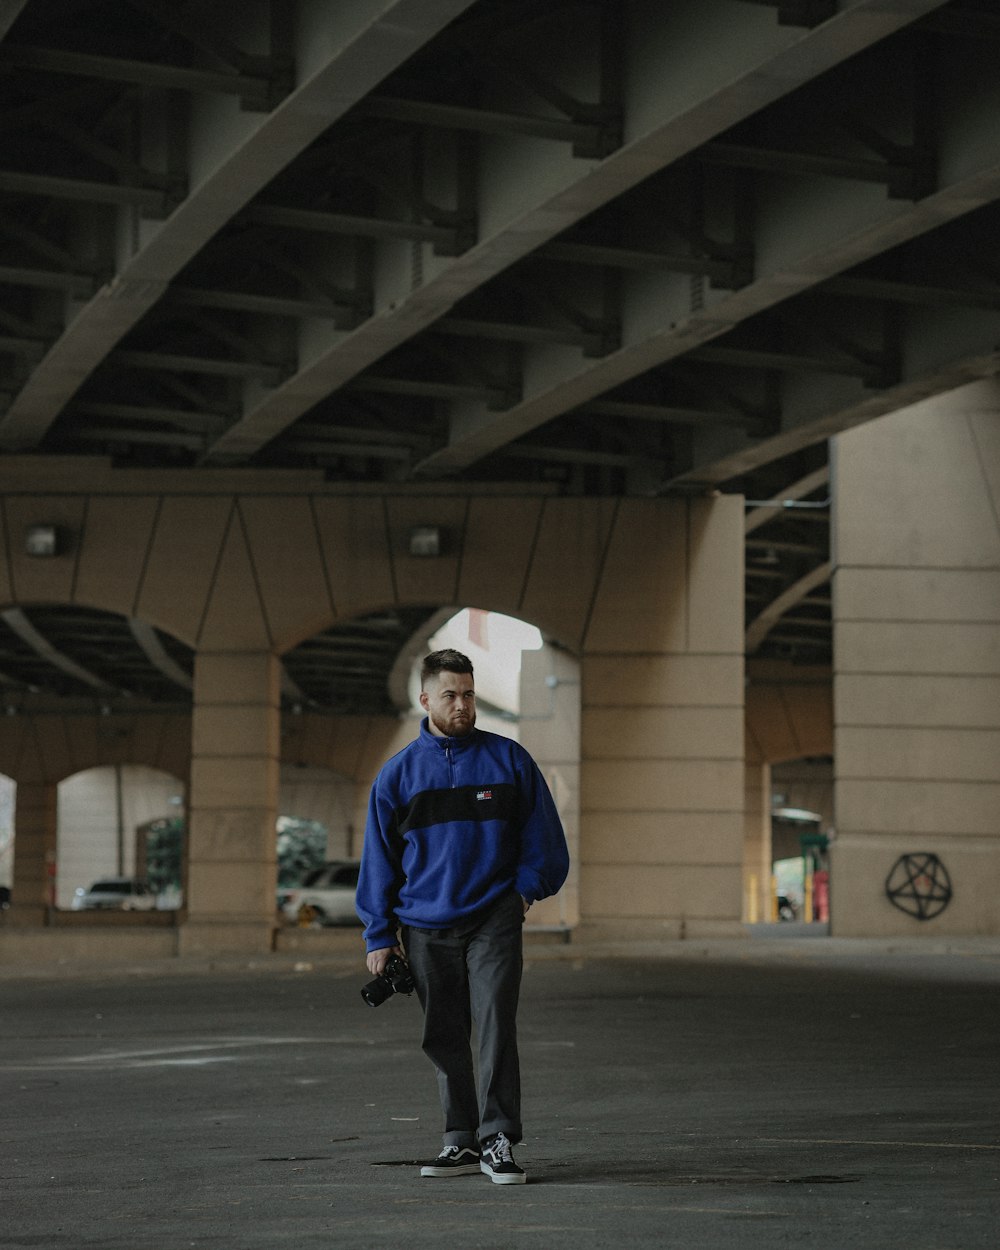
pixel 849 1141
pixel 190 1054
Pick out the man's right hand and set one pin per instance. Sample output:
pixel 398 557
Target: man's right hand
pixel 378 959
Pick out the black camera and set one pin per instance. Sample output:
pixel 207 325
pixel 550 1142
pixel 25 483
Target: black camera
pixel 395 978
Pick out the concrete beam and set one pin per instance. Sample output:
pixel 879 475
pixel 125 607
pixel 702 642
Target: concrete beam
pixel 694 70
pixel 809 231
pixel 342 53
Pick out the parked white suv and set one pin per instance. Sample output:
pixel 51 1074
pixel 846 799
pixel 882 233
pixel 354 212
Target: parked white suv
pixel 326 897
pixel 115 894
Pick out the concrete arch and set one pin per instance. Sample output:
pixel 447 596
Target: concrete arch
pixel 45 738
pixel 508 554
pixel 45 748
pixel 417 646
pixel 262 572
pixel 644 591
pixel 493 690
pixel 354 747
pixel 123 553
pixel 88 805
pixel 789 712
pixel 267 570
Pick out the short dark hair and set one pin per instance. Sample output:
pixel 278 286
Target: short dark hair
pixel 447 661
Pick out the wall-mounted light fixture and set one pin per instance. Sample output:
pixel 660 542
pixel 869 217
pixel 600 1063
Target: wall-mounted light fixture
pixel 425 540
pixel 41 540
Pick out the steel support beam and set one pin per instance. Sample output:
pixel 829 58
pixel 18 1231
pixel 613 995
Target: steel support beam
pixel 148 639
pixel 693 98
pixel 764 512
pixel 348 224
pixel 808 234
pixel 342 53
pixel 759 628
pixel 253 91
pixel 10 10
pixel 169 362
pixel 16 619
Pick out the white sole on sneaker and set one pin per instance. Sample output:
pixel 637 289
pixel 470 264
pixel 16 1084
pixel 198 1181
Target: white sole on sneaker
pixel 465 1169
pixel 444 1173
pixel 504 1178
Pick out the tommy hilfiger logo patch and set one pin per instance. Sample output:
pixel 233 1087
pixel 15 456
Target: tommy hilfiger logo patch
pixel 484 794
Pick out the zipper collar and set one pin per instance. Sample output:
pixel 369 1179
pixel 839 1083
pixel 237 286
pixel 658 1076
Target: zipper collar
pixel 429 739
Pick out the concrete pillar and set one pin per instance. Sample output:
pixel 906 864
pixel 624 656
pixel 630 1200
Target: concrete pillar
pixel 233 804
pixel 383 737
pixel 34 882
pixel 917 662
pixel 662 783
pixel 550 730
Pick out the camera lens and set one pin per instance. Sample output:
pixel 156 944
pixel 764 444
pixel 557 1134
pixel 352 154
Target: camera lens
pixel 376 992
pixel 394 979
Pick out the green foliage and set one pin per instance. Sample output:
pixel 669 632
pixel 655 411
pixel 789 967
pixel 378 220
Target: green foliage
pixel 164 849
pixel 301 847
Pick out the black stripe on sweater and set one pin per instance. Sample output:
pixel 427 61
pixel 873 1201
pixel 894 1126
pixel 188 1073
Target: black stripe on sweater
pixel 463 803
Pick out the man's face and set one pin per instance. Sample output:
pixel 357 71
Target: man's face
pixel 449 699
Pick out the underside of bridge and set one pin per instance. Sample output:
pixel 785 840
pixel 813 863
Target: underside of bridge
pixel 616 248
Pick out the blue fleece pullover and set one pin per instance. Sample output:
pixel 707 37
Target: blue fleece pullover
pixel 453 824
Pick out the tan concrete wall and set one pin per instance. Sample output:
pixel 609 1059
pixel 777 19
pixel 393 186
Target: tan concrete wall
pixel 23 946
pixel 917 647
pixel 648 592
pixel 250 560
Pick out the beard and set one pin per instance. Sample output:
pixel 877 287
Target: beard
pixel 459 727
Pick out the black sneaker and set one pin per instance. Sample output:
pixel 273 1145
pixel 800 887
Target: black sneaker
pixel 453 1161
pixel 498 1162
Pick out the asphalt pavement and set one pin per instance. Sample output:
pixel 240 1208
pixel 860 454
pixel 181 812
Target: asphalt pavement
pixel 827 1096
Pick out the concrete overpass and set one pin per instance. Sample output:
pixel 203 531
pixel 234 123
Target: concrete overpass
pixel 569 284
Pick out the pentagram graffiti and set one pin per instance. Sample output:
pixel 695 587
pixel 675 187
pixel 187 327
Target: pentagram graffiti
pixel 919 885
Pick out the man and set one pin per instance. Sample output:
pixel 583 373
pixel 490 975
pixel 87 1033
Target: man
pixel 462 837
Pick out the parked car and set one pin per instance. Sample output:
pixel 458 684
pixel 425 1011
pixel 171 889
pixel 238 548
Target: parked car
pixel 787 908
pixel 326 897
pixel 115 894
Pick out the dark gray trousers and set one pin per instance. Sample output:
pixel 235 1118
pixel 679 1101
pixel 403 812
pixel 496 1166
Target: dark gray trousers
pixel 465 978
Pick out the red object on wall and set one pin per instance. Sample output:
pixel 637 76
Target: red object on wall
pixel 821 894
